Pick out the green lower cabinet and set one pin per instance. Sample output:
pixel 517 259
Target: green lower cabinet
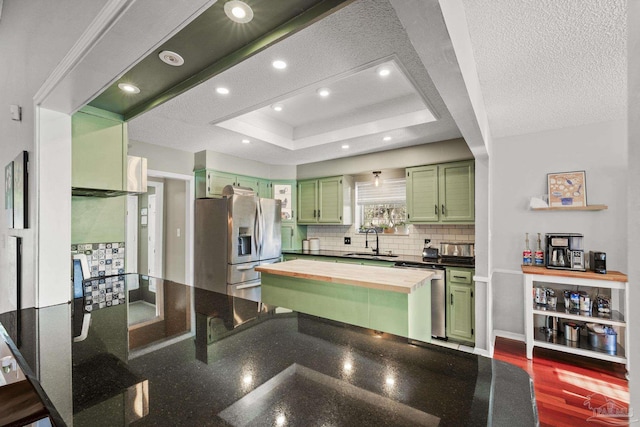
pixel 376 263
pixel 388 312
pixel 292 235
pixel 392 312
pixel 460 305
pixel 343 303
pixel 359 261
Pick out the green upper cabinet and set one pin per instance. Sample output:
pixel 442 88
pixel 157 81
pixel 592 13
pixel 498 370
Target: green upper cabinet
pixel 99 150
pixel 285 191
pixel 441 193
pixel 292 234
pixel 248 182
pixel 330 200
pixel 308 202
pixel 422 194
pixel 456 192
pixel 265 188
pixel 325 201
pixel 214 182
pixel 210 183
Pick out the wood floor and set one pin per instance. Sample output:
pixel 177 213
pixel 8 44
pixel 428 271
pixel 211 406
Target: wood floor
pixel 571 390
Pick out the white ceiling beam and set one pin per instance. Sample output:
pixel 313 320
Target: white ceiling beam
pixel 111 45
pixel 432 37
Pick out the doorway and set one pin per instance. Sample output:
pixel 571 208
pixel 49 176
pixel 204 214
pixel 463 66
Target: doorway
pixel 155 230
pixel 171 228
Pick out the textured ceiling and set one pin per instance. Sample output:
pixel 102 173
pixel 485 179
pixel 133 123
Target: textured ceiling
pixel 363 33
pixel 548 64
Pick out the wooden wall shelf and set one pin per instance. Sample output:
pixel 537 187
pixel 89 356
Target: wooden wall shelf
pixel 574 208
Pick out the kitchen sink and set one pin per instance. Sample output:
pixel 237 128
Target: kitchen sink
pixel 370 255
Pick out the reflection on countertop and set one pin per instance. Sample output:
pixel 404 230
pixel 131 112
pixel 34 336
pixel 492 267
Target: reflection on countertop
pixel 213 359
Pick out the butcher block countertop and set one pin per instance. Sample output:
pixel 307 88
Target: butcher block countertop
pixel 383 278
pixel 613 276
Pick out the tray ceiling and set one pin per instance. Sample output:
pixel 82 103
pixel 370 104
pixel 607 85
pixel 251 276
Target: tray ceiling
pixel 341 51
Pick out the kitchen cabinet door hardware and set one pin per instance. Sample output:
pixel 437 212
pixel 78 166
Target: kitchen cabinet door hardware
pixel 451 299
pixel 443 213
pixel 436 209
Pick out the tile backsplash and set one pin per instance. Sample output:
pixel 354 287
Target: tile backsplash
pixel 332 237
pixel 106 287
pixel 104 259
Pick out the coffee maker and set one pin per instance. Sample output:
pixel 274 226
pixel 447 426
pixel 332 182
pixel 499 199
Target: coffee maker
pixel 565 251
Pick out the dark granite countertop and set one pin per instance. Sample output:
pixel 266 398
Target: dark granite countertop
pixel 212 359
pixel 381 257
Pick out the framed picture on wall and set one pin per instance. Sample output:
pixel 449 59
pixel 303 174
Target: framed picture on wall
pixel 8 194
pixel 20 191
pixel 14 251
pixel 567 189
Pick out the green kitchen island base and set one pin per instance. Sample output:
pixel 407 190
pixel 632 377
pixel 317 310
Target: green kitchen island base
pixel 396 312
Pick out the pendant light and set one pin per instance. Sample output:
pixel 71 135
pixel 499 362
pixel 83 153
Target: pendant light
pixel 376 180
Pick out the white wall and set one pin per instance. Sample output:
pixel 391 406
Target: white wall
pixel 161 158
pixel 633 195
pixel 519 166
pixel 34 36
pixel 225 163
pixel 435 152
pixel 175 200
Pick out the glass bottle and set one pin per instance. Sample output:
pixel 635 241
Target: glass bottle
pixel 526 254
pixel 539 255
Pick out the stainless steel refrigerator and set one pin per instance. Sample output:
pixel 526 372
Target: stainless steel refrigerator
pixel 233 235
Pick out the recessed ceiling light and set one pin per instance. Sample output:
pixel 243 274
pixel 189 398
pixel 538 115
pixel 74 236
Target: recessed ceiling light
pixel 386 138
pixel 222 90
pixel 238 11
pixel 245 141
pixel 279 64
pixel 323 92
pixel 345 146
pixel 171 58
pixel 384 71
pixel 128 87
pixel 277 107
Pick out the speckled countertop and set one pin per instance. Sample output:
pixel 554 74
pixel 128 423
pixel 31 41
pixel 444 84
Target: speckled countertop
pixel 212 359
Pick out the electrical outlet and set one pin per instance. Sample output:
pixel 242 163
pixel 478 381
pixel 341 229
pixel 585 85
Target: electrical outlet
pixel 347 240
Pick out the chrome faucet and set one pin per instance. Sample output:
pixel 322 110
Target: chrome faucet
pixel 366 242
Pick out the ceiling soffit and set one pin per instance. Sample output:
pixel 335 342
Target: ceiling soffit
pixel 359 35
pixel 360 103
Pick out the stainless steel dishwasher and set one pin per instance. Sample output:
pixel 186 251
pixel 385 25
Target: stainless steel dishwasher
pixel 438 297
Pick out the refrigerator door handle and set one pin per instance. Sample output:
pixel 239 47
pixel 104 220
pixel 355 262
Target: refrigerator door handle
pixel 247 286
pixel 247 267
pixel 257 238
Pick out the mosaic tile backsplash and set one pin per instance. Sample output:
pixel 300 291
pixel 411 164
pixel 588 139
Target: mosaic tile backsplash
pixel 106 287
pixel 104 259
pixel 103 292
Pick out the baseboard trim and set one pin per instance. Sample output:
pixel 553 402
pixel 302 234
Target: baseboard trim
pixel 482 352
pixel 507 334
